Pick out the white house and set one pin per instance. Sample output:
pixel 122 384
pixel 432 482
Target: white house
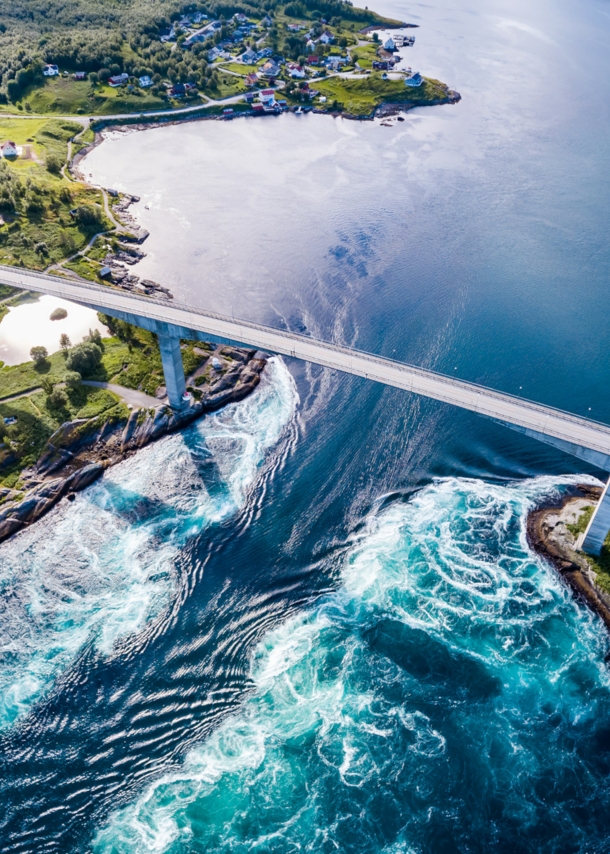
pixel 145 81
pixel 50 71
pixel 326 37
pixel 267 97
pixel 9 149
pixel 296 71
pixel 389 44
pixel 249 56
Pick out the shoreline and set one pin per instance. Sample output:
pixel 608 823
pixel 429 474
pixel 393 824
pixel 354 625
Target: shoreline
pixel 83 449
pixel 549 536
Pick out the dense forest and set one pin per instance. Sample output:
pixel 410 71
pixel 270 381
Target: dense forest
pixel 104 37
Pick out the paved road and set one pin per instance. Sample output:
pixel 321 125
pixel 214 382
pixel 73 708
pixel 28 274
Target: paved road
pixel 131 396
pixel 168 317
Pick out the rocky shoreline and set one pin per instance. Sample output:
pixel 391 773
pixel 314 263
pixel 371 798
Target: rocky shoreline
pixel 80 451
pixel 549 536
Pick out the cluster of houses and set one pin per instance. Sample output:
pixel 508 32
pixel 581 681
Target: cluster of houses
pixel 412 78
pixel 266 101
pixel 53 71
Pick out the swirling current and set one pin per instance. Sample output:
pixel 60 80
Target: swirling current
pixel 450 695
pixel 95 571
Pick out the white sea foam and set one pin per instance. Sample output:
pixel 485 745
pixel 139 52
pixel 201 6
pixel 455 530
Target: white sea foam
pixel 98 569
pixel 443 588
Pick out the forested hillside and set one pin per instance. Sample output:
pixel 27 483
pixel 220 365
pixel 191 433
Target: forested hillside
pixel 107 37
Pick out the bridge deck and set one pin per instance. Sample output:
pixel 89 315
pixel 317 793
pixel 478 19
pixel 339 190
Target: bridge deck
pixel 515 411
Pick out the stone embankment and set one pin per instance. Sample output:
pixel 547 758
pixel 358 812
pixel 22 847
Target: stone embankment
pixel 550 536
pixel 80 451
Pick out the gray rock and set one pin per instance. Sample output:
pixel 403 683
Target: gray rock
pixel 130 428
pixel 83 477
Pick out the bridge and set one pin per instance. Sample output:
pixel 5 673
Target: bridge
pixel 171 322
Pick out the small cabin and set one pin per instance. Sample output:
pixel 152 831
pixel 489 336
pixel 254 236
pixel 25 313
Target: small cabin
pixel 9 149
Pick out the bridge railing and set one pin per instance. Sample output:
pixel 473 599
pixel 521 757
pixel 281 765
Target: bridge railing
pixel 162 310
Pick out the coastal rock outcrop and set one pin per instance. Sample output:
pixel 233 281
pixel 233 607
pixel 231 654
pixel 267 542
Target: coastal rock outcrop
pixel 83 449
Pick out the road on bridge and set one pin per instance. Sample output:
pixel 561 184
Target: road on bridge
pixel 587 439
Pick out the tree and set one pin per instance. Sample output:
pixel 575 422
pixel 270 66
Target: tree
pixel 39 354
pixel 93 78
pixel 47 385
pixel 72 380
pixel 65 343
pixel 95 337
pixel 84 358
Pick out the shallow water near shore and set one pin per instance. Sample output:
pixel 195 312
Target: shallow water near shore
pixel 362 654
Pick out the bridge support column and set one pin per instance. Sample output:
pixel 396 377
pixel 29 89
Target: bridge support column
pixel 598 527
pixel 173 371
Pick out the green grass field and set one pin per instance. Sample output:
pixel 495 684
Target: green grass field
pixel 35 203
pixel 366 54
pixel 239 67
pixel 360 96
pixel 227 86
pixel 66 96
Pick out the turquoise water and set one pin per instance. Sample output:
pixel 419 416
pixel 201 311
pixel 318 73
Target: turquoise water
pixel 101 569
pixel 432 703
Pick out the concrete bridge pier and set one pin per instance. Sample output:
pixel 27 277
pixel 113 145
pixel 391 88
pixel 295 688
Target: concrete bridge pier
pixel 171 357
pixel 598 527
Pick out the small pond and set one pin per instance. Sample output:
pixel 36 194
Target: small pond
pixel 29 325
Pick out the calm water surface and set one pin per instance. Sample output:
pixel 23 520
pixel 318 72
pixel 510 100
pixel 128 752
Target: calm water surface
pixel 313 622
pixel 29 325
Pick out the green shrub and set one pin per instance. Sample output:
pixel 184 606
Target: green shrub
pixel 53 164
pixel 89 217
pixel 84 358
pixel 72 380
pixel 58 399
